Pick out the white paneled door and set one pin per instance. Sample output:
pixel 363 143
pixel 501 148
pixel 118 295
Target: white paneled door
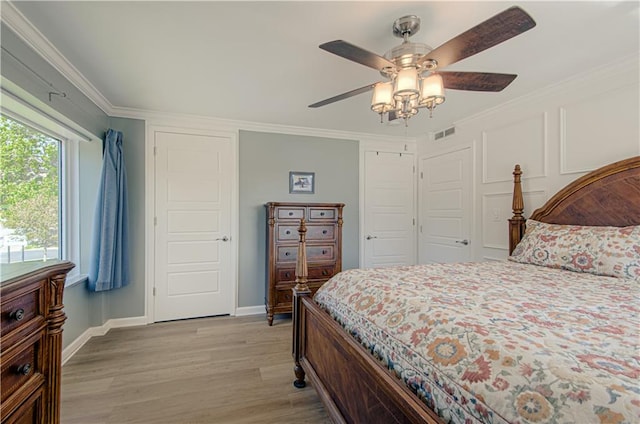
pixel 389 224
pixel 445 207
pixel 193 177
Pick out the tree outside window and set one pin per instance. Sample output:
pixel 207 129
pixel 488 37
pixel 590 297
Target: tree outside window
pixel 29 193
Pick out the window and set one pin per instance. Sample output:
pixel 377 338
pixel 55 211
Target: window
pixel 45 177
pixel 30 193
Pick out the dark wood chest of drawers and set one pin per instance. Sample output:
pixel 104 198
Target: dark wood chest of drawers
pixel 324 249
pixel 31 341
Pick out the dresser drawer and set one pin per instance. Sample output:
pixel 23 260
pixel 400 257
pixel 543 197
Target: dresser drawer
pixel 321 253
pixel 287 232
pixel 30 412
pixel 16 370
pixel 315 272
pixel 321 272
pixel 290 213
pixel 286 253
pixel 317 213
pixel 321 232
pixel 314 253
pixel 22 308
pixel 284 295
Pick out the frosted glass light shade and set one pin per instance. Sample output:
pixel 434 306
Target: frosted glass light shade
pixel 406 84
pixel 382 100
pixel 432 90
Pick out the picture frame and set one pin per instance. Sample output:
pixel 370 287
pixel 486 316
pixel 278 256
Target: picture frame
pixel 302 182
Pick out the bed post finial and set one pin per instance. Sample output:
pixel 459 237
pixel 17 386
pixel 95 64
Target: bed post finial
pixel 517 222
pixel 300 290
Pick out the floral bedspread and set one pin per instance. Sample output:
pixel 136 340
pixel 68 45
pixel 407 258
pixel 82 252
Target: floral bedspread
pixel 497 342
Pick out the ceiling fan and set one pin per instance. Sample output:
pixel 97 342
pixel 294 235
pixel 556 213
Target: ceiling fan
pixel 412 70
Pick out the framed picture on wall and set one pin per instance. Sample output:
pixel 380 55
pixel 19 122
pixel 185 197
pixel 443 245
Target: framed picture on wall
pixel 302 182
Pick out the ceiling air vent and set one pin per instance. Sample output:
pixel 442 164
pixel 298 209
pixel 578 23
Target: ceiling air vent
pixel 444 133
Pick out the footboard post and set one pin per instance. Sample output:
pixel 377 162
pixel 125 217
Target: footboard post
pixel 300 290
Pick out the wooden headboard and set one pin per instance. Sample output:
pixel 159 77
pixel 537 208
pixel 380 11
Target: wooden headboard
pixel 607 196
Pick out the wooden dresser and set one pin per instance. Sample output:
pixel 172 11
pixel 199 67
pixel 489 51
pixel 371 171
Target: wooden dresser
pixel 31 340
pixel 324 249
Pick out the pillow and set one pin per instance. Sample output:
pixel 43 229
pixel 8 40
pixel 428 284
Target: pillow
pixel 611 251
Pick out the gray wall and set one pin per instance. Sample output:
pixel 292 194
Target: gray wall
pixel 265 162
pixel 129 300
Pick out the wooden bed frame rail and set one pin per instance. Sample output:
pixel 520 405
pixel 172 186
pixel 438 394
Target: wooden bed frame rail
pixel 353 385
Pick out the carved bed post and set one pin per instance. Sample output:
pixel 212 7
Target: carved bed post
pixel 300 290
pixel 517 222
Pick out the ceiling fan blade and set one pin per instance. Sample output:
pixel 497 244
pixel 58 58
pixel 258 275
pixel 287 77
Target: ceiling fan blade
pixel 476 81
pixel 344 95
pixel 493 31
pixel 356 54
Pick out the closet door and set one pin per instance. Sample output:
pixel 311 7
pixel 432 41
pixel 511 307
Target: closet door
pixel 446 207
pixel 389 222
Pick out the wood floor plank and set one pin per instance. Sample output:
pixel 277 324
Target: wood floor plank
pixel 228 370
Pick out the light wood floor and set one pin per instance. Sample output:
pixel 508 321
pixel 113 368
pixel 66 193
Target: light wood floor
pixel 209 370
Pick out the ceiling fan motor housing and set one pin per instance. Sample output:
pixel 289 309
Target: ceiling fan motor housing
pixel 406 55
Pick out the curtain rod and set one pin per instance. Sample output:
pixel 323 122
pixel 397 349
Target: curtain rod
pixel 47 115
pixel 37 75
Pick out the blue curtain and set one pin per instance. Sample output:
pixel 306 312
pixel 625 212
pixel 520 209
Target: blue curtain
pixel 109 262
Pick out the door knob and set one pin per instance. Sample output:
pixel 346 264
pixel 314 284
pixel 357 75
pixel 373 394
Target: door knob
pixel 465 242
pixel 369 237
pixel 225 238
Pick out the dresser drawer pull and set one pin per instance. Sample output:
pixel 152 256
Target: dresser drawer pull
pixel 290 213
pixel 324 251
pixel 287 232
pixel 24 369
pixel 325 272
pixel 17 315
pixel 321 213
pixel 324 231
pixel 287 274
pixel 287 253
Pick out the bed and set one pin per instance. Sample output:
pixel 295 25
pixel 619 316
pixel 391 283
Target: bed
pixel 547 336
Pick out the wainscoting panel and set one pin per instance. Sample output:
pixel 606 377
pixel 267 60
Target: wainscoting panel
pixel 599 130
pixel 523 142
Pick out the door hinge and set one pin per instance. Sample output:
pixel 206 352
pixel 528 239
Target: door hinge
pixel 155 150
pixel 414 169
pixel 155 220
pixel 414 222
pixel 154 291
pixel 421 175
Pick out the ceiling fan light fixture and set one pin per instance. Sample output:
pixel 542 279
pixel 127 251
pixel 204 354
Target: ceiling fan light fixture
pixel 382 100
pixel 406 108
pixel 403 66
pixel 432 92
pixel 406 85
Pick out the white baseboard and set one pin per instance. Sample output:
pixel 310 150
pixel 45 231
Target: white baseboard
pixel 250 310
pixel 90 332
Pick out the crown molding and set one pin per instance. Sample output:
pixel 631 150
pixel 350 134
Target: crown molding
pixel 24 29
pixel 178 119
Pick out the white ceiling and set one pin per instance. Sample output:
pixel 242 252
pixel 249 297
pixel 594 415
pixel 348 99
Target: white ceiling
pixel 260 61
